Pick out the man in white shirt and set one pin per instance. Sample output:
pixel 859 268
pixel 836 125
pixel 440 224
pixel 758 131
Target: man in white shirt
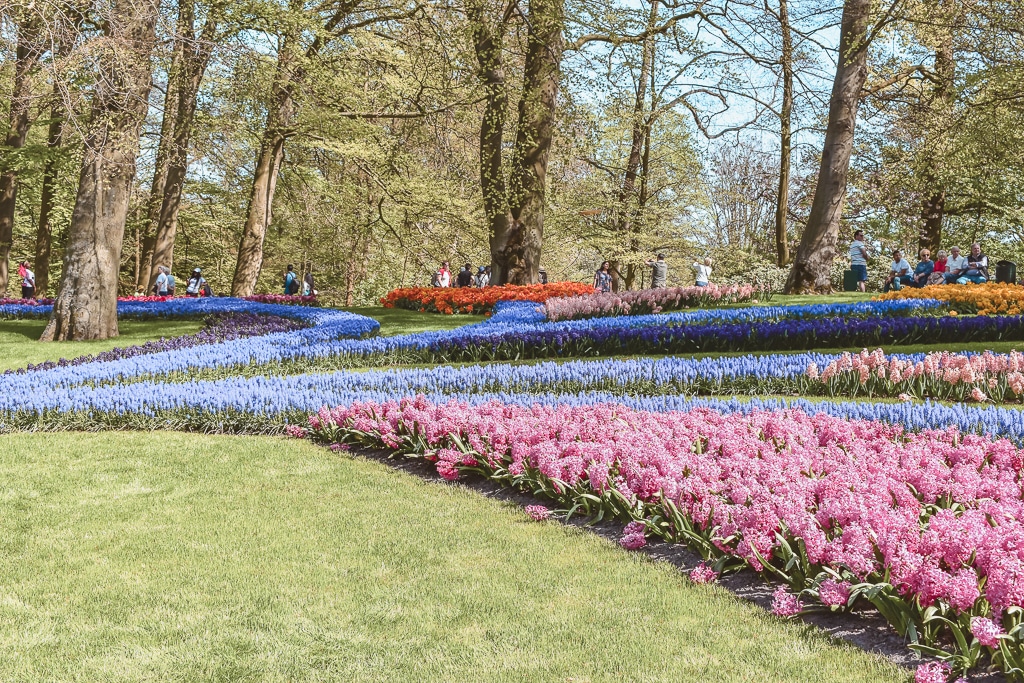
pixel 899 273
pixel 956 264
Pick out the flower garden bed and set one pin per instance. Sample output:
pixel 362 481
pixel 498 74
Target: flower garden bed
pixel 477 300
pixel 925 527
pixel 849 503
pixel 645 301
pixel 991 298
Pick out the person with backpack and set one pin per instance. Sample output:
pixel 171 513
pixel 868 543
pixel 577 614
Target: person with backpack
pixel 196 284
pixel 291 281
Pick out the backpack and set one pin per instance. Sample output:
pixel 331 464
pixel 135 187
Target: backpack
pixel 291 283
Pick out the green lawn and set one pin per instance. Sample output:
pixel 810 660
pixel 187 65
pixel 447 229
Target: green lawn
pixel 173 557
pixel 401 321
pixel 19 345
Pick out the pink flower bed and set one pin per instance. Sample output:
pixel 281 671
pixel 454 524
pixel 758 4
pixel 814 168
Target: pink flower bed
pixel 644 301
pixel 839 510
pixel 946 376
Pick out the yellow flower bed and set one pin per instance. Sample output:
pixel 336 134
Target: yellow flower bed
pixel 991 298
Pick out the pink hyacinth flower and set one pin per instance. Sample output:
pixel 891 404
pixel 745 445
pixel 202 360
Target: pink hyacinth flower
pixel 834 593
pixel 538 512
pixel 932 672
pixel 986 631
pixel 702 573
pixel 785 604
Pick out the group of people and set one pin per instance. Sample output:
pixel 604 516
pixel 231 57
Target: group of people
pixel 659 273
pixel 465 277
pixel 293 285
pixel 166 285
pixel 946 269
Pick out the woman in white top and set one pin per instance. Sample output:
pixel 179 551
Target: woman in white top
pixel 703 272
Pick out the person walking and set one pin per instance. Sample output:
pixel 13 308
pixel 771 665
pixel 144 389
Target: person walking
pixel 603 278
pixel 703 272
pixel 659 271
pixel 308 289
pixel 196 284
pixel 28 281
pixel 482 277
pixel 170 283
pixel 859 255
pixel 465 278
pixel 160 286
pixel 291 281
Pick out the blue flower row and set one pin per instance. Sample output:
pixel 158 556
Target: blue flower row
pixel 516 323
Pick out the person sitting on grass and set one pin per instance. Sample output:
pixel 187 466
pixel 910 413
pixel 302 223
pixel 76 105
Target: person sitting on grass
pixel 899 273
pixel 977 267
pixel 924 268
pixel 956 264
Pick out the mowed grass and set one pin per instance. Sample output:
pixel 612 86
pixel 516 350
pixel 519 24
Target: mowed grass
pixel 401 321
pixel 20 345
pixel 174 557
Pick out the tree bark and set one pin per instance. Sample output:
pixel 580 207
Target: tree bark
pixel 268 164
pixel 813 264
pixel 44 231
pixel 786 132
pixel 86 303
pixel 627 207
pixel 933 207
pixel 488 46
pixel 193 57
pixel 516 252
pixel 29 50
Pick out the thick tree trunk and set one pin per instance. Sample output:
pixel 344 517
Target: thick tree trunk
pixel 518 250
pixel 786 131
pixel 194 57
pixel 488 46
pixel 28 52
pixel 264 183
pixel 86 304
pixel 813 264
pixel 933 207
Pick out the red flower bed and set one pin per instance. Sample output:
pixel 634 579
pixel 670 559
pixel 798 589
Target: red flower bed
pixel 451 300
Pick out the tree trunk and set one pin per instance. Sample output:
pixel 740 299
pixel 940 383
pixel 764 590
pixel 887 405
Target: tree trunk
pixel 628 208
pixel 488 46
pixel 934 205
pixel 44 233
pixel 786 130
pixel 29 50
pixel 517 252
pixel 147 266
pixel 194 56
pixel 86 304
pixel 268 164
pixel 813 264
